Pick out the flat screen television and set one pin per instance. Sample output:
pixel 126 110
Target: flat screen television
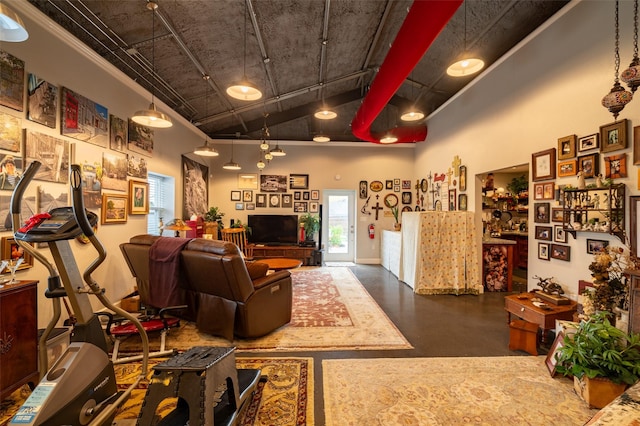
pixel 273 229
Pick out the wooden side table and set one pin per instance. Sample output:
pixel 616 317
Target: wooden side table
pixel 521 306
pixel 280 263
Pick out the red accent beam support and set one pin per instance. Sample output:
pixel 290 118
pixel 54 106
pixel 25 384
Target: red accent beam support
pixel 423 23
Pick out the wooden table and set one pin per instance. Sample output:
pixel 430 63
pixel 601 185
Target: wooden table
pixel 280 263
pixel 522 306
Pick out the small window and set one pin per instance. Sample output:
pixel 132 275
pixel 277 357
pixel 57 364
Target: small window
pixel 161 201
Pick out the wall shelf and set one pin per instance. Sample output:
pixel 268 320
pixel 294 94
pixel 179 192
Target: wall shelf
pixel 595 210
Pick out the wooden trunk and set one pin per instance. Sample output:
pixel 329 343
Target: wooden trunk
pixel 597 392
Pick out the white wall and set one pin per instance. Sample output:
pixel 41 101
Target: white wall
pixel 549 88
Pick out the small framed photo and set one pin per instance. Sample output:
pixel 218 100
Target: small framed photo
pixel 306 195
pixel 462 202
pixel 315 194
pixel 567 147
pixel 559 234
pixel 396 188
pixel 138 197
pixel 567 168
pixel 552 356
pixel 543 251
pixel 114 209
pixel 236 195
pixel 543 233
pixel 11 250
pixel 274 200
pixel 261 200
pixel 406 184
pixel 297 195
pixel 543 191
pixel 239 206
pixel 596 246
pixel 589 164
pixel 388 184
pixel 250 206
pixel 544 165
pixel 300 206
pixel 287 200
pixel 396 182
pixel 406 197
pixel 589 142
pixel 247 196
pixel 247 180
pixel 613 136
pixel 561 252
pixel 298 181
pixel 615 166
pixel 542 213
pixel 557 214
pixel 463 178
pixel 313 207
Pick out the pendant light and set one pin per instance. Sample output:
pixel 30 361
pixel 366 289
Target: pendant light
pixel 277 151
pixel 261 164
pixel 413 113
pixel 206 150
pixel 231 165
pixel 321 138
pixel 244 89
pixel 388 137
pixel 617 98
pixel 152 117
pixel 467 64
pixel 11 26
pixel 631 76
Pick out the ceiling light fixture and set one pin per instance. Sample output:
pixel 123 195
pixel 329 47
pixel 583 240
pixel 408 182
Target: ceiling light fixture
pixel 268 156
pixel 631 76
pixel 152 117
pixel 264 145
pixel 206 150
pixel 244 89
pixel 11 26
pixel 325 113
pixel 617 98
pixel 321 138
pixel 413 113
pixel 277 151
pixel 231 165
pixel 388 138
pixel 467 64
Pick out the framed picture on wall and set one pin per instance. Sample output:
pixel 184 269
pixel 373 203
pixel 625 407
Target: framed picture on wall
pixel 567 147
pixel 543 251
pixel 11 250
pixel 561 252
pixel 613 136
pixel 543 233
pixel 589 165
pixel 559 234
pixel 195 184
pixel 138 197
pixel 261 200
pixel 114 209
pixel 586 143
pixel 544 164
pixel 567 168
pixel 615 166
pixel 541 213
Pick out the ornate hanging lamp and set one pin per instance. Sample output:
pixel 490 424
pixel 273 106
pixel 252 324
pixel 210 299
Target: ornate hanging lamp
pixel 617 98
pixel 631 76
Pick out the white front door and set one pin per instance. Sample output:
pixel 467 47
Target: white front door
pixel 338 226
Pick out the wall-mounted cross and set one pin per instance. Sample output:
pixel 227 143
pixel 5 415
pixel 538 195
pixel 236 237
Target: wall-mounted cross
pixel 377 208
pixel 456 165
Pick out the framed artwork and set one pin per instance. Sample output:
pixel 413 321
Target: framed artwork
pixel 137 167
pixel 596 246
pixel 287 200
pixel 274 200
pixel 634 209
pixel 543 233
pixel 615 166
pixel 11 250
pixel 589 165
pixel 298 181
pixel 452 200
pixel 10 132
pixel 306 195
pixel 557 214
pixel 84 119
pixel 388 184
pixel 236 195
pixel 552 356
pixel 406 197
pixel 541 213
pixel 559 234
pixel 54 154
pixel 140 138
pixel 462 202
pixel 261 200
pixel 42 101
pixel 247 196
pixel 118 130
pixel 567 168
pixel 567 147
pixel 114 171
pixel 561 252
pixel 406 184
pixel 138 197
pixel 114 209
pixel 543 251
pixel 273 183
pixel 463 178
pixel 300 206
pixel 247 181
pixel 613 136
pixel 364 189
pixel 297 195
pixel 396 182
pixel 543 191
pixel 544 164
pixel 250 206
pixel 12 80
pixel 586 143
pixel 239 206
pixel 313 207
pixel 315 194
pixel 396 188
pixel 636 145
pixel 195 184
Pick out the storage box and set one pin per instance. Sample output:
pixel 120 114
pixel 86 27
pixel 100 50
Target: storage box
pixel 57 343
pixel 131 303
pixel 523 336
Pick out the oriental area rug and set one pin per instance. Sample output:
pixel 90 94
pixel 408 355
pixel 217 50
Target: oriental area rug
pixel 449 391
pixel 331 311
pixel 285 398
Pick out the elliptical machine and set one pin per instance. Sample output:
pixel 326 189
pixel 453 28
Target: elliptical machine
pixel 80 388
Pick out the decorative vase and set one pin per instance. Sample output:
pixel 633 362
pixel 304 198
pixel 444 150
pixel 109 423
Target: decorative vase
pixel 397 226
pixel 597 392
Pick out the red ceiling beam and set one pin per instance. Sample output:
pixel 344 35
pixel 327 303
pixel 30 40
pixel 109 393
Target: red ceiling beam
pixel 424 21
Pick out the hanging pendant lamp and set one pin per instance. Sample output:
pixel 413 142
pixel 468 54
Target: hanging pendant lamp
pixel 325 113
pixel 206 150
pixel 617 98
pixel 231 165
pixel 467 64
pixel 413 113
pixel 244 90
pixel 277 151
pixel 11 26
pixel 321 138
pixel 388 138
pixel 152 117
pixel 631 76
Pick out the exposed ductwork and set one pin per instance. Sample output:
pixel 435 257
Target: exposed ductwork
pixel 422 25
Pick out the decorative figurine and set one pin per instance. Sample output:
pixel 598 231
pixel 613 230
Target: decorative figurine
pixel 581 182
pixel 549 285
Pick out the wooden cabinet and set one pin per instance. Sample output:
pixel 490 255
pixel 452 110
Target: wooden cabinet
pixel 18 336
pixel 594 210
pixel 305 254
pixel 520 250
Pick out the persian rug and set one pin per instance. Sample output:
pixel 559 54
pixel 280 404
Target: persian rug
pixel 449 391
pixel 285 398
pixel 331 311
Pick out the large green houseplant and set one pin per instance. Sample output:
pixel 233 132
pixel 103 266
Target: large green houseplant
pixel 311 224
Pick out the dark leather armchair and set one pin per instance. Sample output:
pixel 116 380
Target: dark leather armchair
pixel 224 294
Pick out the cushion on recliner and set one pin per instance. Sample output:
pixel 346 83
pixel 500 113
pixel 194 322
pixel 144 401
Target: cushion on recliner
pixel 257 269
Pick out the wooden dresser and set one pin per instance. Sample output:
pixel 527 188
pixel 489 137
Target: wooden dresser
pixel 18 336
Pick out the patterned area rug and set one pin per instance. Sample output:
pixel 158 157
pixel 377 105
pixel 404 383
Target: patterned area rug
pixel 284 399
pixel 331 311
pixel 449 391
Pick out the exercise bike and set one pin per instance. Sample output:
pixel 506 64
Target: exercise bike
pixel 80 388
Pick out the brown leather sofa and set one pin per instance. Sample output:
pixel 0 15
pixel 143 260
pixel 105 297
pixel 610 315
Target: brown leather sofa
pixel 225 295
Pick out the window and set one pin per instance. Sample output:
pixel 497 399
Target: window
pixel 161 201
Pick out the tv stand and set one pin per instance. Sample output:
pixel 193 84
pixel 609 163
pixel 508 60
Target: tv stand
pixel 305 254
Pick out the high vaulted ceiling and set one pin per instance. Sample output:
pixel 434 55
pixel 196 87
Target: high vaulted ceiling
pixel 300 53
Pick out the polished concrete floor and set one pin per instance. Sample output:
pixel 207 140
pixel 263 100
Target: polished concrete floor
pixel 436 326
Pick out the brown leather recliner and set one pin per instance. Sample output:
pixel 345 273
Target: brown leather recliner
pixel 214 281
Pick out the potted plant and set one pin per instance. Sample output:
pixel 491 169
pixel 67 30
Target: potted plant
pixel 213 221
pixel 602 359
pixel 518 185
pixel 311 224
